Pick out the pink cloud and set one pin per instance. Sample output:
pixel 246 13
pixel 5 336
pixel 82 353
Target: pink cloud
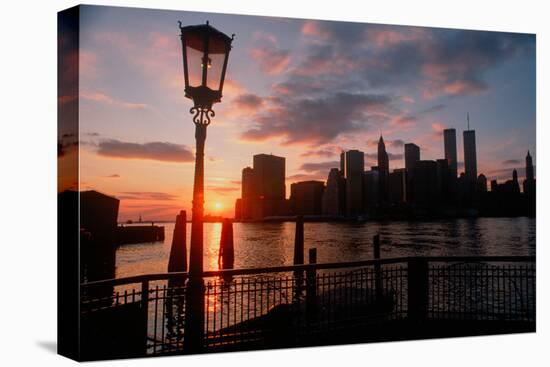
pixel 271 58
pixel 88 64
pixel 384 36
pixel 313 28
pixel 437 130
pixel 104 98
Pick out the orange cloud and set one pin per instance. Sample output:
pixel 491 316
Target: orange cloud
pixel 104 98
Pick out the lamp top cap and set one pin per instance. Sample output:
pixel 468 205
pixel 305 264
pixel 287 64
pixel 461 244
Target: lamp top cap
pixel 202 29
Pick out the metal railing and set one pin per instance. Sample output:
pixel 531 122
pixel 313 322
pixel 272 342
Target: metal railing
pixel 305 304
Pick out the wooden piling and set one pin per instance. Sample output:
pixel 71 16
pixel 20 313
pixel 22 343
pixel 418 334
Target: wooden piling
pixel 299 241
pixel 178 252
pixel 226 256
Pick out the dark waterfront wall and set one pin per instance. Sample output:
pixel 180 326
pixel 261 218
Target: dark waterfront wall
pixel 68 284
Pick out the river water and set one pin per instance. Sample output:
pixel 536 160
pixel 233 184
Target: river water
pixel 271 244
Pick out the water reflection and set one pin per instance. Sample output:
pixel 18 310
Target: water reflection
pixel 271 244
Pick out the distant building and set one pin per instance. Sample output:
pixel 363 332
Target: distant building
pixel 412 155
pixel 510 188
pixel 398 186
pixel 263 188
pixel 481 185
pixel 449 141
pixel 470 155
pixel 354 166
pixel 494 185
pixel 334 194
pixel 370 189
pixel 239 209
pixel 515 182
pixel 444 177
pixel 529 182
pixel 383 169
pixel 425 184
pixel 249 197
pixel 306 197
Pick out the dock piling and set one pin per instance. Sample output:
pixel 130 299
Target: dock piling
pixel 226 256
pixel 299 241
pixel 178 252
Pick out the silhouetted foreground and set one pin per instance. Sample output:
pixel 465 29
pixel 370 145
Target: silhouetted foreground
pixel 313 304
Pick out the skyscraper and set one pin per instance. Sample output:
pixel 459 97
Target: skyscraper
pixel 443 180
pixel 397 186
pixel 529 170
pixel 412 155
pixel 470 157
pixel 515 182
pixel 268 186
pixel 370 190
pixel 529 188
pixel 306 197
pixel 425 184
pixel 383 169
pixel 354 166
pixel 449 142
pixel 334 194
pixel 383 161
pixel 248 194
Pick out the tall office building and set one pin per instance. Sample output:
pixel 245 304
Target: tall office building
pixel 529 169
pixel 270 173
pixel 425 184
pixel 306 197
pixel 449 142
pixel 397 193
pixel 334 194
pixel 263 188
pixel 529 188
pixel 444 176
pixel 370 190
pixel 470 157
pixel 515 182
pixel 248 195
pixel 412 155
pixel 383 170
pixel 354 166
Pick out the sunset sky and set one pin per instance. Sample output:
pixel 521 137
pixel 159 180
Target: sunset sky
pixel 301 89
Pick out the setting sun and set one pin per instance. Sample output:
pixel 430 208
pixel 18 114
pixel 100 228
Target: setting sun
pixel 218 206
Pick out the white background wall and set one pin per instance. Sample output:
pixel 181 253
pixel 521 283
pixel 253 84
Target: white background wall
pixel 28 182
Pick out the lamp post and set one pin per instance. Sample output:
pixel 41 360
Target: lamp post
pixel 205 53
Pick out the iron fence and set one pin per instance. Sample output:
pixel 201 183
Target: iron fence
pixel 297 305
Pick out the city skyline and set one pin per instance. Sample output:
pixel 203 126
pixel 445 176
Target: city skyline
pixel 138 139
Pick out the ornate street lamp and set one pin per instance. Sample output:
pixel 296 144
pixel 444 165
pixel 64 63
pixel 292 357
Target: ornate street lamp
pixel 205 54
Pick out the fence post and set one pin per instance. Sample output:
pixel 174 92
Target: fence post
pixel 311 288
pixel 145 308
pixel 299 241
pixel 377 269
pixel 417 289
